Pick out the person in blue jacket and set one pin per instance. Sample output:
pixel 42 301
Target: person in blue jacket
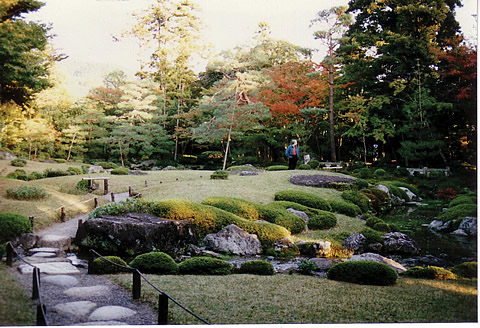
pixel 292 154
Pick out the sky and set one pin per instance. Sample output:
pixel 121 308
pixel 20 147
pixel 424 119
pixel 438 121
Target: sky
pixel 83 29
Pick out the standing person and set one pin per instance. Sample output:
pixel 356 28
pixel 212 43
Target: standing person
pixel 293 155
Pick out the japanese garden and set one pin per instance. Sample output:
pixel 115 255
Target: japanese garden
pixel 180 175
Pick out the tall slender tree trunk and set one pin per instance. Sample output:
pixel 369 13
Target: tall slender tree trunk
pixel 331 68
pixel 71 146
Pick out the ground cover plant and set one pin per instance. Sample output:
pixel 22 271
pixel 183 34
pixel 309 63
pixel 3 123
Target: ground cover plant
pixel 300 299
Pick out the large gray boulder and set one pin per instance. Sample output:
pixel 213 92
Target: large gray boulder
pixel 134 233
pixel 300 214
pixel 95 169
pixel 234 240
pixel 399 243
pixel 355 242
pixel 7 155
pixel 380 259
pixel 468 227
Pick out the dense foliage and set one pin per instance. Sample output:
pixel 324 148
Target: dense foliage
pixel 155 262
pixel 363 272
pixel 13 225
pixel 204 266
pixel 103 266
pixel 259 267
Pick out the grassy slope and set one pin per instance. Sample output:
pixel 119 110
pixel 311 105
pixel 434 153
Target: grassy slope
pixel 15 306
pixel 249 299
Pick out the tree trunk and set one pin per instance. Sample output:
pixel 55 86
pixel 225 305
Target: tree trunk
pixel 330 114
pixel 71 146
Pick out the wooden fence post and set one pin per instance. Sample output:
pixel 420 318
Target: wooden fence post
pixel 113 197
pixel 62 214
pixel 137 285
pixel 146 184
pixel 105 186
pixel 10 252
pixel 129 191
pixel 162 309
pixel 36 284
pixel 32 221
pixel 41 320
pixel 95 202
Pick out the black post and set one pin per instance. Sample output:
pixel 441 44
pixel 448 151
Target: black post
pixel 62 214
pixel 113 197
pixel 36 284
pixel 162 309
pixel 90 263
pixel 32 221
pixel 137 285
pixel 41 320
pixel 129 191
pixel 10 252
pixel 95 202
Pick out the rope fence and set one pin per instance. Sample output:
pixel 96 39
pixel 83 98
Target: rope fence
pixel 162 297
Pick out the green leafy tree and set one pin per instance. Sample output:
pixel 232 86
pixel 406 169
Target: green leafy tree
pixel 23 52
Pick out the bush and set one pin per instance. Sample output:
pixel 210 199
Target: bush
pixel 119 171
pixel 372 236
pixel 60 160
pixel 466 270
pixel 371 221
pixel 304 167
pixel 462 199
pixel 356 198
pixel 276 168
pixel 348 209
pixel 49 173
pixel 35 176
pixel 401 172
pixel 74 170
pixel 107 165
pixel 365 173
pixel 430 272
pixel 19 162
pixel 155 262
pixel 379 200
pixel 361 184
pixel 281 217
pixel 82 185
pixel 18 174
pixel 205 266
pixel 324 220
pixel 219 175
pixel 303 198
pixel 363 272
pixel 314 164
pixel 306 267
pixel 102 266
pixel 240 207
pixel 26 193
pixel 259 267
pixel 379 173
pixel 458 212
pixel 13 225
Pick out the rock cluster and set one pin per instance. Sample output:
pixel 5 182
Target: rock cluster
pixel 232 239
pixel 318 180
pixel 467 227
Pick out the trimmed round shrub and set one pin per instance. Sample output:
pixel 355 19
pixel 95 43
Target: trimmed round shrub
pixel 372 236
pixel 348 209
pixel 13 225
pixel 356 198
pixel 276 168
pixel 107 165
pixel 401 172
pixel 372 220
pixel 19 162
pixel 361 184
pixel 74 170
pixel 18 174
pixel 303 198
pixel 259 267
pixel 204 266
pixel 462 199
pixel 35 176
pixel 314 164
pixel 26 193
pixel 155 262
pixel 219 175
pixel 365 173
pixel 379 200
pixel 323 220
pixel 304 167
pixel 119 171
pixel 281 217
pixel 306 267
pixel 82 185
pixel 466 270
pixel 379 173
pixel 458 212
pixel 240 207
pixel 49 173
pixel 430 272
pixel 102 266
pixel 382 227
pixel 363 272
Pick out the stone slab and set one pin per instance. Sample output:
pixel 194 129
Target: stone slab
pixel 102 323
pixel 60 280
pixel 112 312
pixel 92 291
pixel 36 259
pixel 44 254
pixel 75 309
pixel 50 268
pixel 45 249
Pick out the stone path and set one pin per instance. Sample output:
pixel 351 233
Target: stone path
pixel 70 295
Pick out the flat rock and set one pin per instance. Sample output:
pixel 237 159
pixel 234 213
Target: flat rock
pixel 43 254
pixel 92 291
pixel 50 268
pixel 60 280
pixel 36 259
pixel 75 309
pixel 380 259
pixel 45 249
pixel 55 241
pixel 111 312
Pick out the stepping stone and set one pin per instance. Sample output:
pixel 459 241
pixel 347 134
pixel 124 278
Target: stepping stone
pixel 92 291
pixel 44 254
pixel 50 268
pixel 106 313
pixel 54 241
pixel 102 323
pixel 60 280
pixel 75 309
pixel 45 249
pixel 36 259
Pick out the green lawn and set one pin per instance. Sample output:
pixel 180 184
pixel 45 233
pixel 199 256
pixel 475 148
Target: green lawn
pixel 249 299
